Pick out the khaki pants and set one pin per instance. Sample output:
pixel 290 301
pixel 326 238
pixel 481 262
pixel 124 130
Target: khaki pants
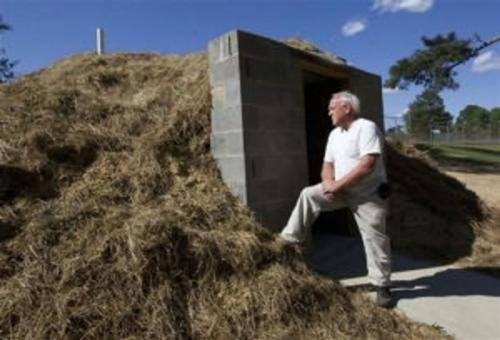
pixel 370 215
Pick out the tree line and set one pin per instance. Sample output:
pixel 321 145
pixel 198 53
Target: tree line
pixel 433 67
pixel 427 116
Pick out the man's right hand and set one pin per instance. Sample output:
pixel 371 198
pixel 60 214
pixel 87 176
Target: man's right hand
pixel 329 196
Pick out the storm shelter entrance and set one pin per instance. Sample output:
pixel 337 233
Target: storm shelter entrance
pixel 318 91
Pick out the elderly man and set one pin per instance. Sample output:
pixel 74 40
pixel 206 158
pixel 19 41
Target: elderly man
pixel 353 176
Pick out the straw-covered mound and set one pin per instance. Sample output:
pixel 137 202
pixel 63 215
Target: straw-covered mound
pixel 307 46
pixel 115 222
pixel 432 215
pixel 436 216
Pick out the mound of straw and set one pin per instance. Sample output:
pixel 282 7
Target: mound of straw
pixel 115 222
pixel 432 215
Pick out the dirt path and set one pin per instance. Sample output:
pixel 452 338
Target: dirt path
pixel 487 186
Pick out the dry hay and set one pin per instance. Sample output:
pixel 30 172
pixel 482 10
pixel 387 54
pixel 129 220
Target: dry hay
pixel 485 255
pixel 435 216
pixel 432 215
pixel 116 224
pixel 307 46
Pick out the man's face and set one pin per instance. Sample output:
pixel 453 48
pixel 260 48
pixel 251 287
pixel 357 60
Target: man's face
pixel 337 110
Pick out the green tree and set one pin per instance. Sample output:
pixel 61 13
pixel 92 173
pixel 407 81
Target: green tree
pixel 433 66
pixel 474 120
pixel 495 121
pixel 427 113
pixel 6 65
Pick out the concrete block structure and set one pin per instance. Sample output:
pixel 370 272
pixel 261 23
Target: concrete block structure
pixel 269 117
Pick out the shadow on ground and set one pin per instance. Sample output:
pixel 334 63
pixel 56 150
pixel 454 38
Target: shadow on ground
pixel 343 257
pixel 450 282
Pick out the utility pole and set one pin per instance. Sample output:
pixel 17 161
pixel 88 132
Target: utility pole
pixel 100 41
pixel 448 137
pixel 430 132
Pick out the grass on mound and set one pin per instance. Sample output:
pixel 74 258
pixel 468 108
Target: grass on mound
pixel 475 156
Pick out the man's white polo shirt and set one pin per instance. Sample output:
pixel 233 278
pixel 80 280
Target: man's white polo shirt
pixel 345 148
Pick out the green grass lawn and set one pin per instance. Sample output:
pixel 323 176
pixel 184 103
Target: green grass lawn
pixel 464 154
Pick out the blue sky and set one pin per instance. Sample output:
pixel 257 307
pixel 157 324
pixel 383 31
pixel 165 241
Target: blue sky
pixel 371 34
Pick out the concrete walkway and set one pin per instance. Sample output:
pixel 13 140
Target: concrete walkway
pixel 465 303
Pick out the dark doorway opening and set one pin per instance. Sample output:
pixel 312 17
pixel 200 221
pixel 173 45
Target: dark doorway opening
pixel 318 91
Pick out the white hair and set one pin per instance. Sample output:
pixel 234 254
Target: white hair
pixel 349 98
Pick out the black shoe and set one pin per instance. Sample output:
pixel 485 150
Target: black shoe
pixel 384 297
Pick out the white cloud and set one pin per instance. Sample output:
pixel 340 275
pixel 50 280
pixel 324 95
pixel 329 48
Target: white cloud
pixel 353 27
pixel 388 90
pixel 487 61
pixel 403 5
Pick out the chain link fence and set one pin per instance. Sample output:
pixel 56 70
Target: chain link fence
pixel 436 132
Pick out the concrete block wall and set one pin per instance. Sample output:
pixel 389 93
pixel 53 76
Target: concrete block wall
pixel 258 125
pixel 368 87
pixel 227 143
pixel 258 120
pixel 275 137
